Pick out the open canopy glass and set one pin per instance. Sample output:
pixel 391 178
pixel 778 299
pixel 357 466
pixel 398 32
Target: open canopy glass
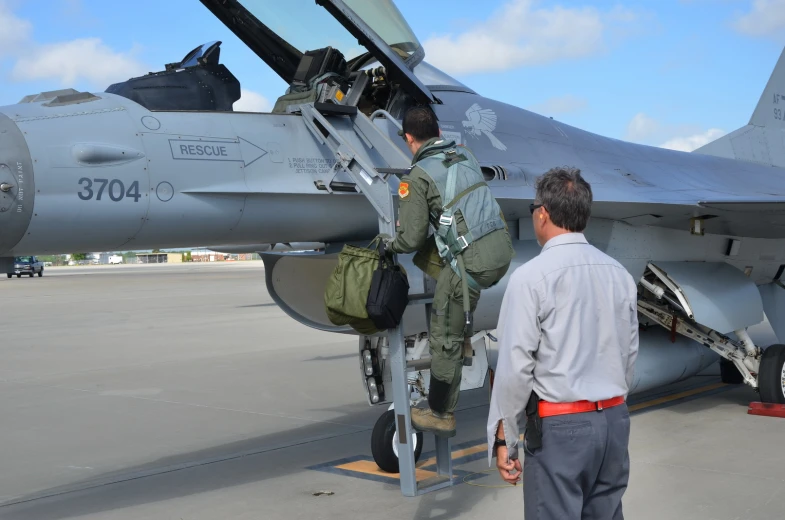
pixel 307 26
pixel 280 32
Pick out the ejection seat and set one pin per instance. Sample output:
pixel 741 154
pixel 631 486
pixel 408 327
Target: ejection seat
pixel 320 77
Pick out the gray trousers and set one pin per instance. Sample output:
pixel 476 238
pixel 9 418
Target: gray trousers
pixel 581 470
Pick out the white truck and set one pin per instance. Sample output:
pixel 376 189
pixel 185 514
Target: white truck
pixel 115 259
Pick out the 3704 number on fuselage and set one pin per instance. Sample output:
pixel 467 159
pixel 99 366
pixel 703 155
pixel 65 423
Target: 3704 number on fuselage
pixel 93 189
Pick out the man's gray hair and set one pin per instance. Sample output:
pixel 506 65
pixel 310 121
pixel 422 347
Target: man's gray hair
pixel 566 196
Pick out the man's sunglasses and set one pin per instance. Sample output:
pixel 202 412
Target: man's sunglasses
pixel 533 207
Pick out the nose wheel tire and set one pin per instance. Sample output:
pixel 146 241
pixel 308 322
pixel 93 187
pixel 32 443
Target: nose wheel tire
pixel 384 443
pixel 771 378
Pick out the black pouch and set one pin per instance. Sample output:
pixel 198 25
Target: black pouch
pixel 389 293
pixel 533 431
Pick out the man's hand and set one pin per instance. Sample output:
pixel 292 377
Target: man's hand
pixel 385 239
pixel 509 471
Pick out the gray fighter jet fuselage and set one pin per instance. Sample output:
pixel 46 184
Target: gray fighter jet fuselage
pixel 137 167
pixel 107 174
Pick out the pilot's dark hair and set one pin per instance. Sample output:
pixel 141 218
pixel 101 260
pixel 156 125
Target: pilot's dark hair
pixel 421 123
pixel 566 196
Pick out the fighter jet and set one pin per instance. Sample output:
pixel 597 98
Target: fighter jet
pixel 163 161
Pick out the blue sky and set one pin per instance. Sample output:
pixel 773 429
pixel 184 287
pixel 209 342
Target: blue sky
pixel 663 72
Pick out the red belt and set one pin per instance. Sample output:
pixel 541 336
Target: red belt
pixel 548 409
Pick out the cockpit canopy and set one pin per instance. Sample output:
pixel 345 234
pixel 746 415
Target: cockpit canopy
pixel 358 53
pixel 305 26
pixel 361 31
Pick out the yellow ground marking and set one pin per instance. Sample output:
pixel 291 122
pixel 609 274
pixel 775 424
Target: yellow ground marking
pixel 674 397
pixel 369 467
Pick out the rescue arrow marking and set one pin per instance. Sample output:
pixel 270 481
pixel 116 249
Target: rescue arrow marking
pixel 227 151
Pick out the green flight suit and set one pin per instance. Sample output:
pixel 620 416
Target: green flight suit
pixel 486 260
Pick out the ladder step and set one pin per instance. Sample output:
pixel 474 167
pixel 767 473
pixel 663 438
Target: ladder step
pixel 332 108
pixel 419 364
pixel 420 299
pixel 336 186
pixel 432 484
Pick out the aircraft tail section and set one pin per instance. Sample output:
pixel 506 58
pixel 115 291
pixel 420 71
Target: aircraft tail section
pixel 763 139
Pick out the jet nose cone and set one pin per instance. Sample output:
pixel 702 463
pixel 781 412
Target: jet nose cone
pixel 16 185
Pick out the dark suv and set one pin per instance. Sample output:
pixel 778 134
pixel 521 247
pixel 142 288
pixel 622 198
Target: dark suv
pixel 28 265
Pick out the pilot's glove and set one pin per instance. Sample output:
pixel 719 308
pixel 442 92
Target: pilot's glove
pixel 386 240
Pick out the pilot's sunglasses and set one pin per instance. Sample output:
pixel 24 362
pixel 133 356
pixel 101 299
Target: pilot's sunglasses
pixel 533 207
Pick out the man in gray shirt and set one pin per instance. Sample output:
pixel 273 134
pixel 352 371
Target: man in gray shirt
pixel 568 340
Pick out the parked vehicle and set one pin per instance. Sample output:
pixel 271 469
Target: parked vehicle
pixel 28 265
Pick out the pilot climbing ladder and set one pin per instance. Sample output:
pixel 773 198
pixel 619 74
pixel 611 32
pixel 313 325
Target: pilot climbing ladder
pixel 378 184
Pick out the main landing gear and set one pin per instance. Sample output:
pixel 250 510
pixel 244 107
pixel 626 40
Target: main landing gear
pixel 771 378
pixel 662 301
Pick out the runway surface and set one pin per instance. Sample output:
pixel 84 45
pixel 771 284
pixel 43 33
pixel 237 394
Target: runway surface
pixel 183 392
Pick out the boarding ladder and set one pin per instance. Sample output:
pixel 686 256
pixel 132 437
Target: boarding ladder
pixel 378 184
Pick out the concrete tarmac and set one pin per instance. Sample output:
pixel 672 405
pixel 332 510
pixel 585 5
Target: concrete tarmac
pixel 183 392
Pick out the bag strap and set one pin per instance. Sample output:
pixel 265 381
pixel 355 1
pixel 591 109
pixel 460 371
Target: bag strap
pixel 381 251
pixel 377 241
pixel 381 255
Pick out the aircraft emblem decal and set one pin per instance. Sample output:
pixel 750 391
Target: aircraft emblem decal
pixel 482 121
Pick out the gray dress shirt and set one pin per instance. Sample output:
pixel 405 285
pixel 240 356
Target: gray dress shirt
pixel 568 329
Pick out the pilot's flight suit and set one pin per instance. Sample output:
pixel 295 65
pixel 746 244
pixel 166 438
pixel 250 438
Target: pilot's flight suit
pixel 486 259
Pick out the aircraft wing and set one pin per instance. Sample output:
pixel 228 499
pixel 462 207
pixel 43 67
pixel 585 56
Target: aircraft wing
pixel 761 218
pixel 753 218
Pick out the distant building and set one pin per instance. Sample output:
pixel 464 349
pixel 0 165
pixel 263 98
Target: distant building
pixel 159 258
pixel 207 256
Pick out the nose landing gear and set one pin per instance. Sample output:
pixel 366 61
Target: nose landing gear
pixel 384 443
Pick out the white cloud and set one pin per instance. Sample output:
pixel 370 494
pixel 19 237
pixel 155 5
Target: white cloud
pixel 520 33
pixel 686 138
pixel 560 105
pixel 69 62
pixel 14 32
pixel 767 18
pixel 692 142
pixel 252 102
pixel 642 127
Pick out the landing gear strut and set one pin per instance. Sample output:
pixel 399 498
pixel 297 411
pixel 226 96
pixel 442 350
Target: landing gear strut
pixel 662 301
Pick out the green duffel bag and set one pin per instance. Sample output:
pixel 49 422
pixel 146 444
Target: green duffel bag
pixel 346 292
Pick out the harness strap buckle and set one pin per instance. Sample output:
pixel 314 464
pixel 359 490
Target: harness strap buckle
pixel 462 242
pixel 445 220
